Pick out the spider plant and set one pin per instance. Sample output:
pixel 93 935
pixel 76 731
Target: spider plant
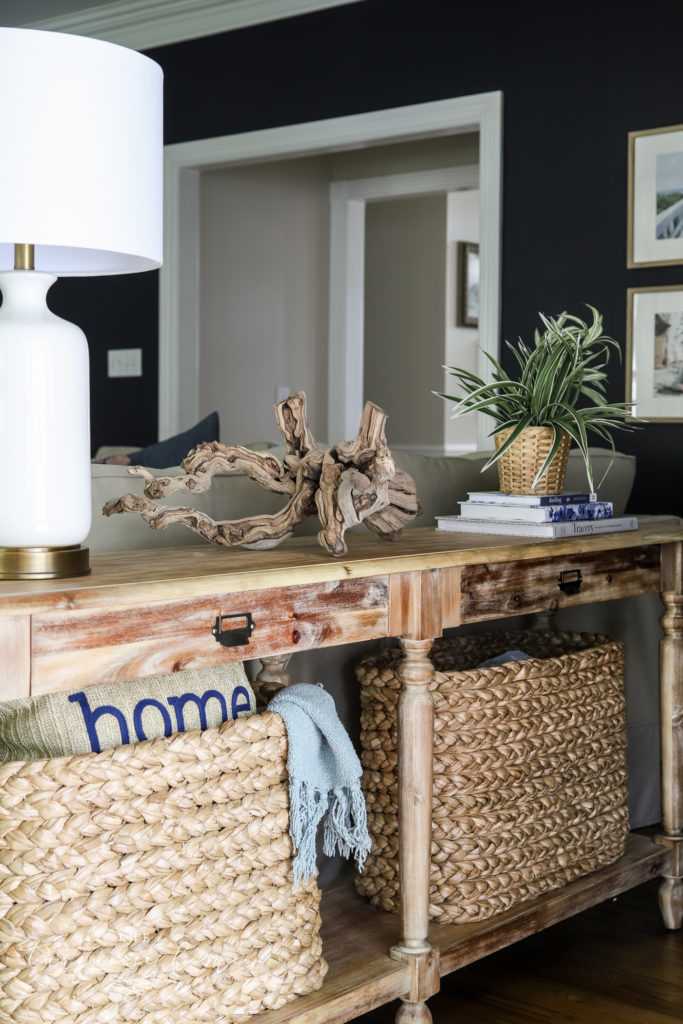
pixel 561 385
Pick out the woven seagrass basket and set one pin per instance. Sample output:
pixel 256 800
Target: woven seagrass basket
pixel 517 467
pixel 529 769
pixel 152 883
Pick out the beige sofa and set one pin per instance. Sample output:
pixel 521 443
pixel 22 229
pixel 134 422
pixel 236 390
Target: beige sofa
pixel 441 483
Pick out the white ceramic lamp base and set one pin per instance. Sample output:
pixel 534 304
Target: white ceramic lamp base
pixel 45 509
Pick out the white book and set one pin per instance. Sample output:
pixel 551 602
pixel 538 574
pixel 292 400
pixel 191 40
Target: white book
pixel 501 498
pixel 537 513
pixel 574 528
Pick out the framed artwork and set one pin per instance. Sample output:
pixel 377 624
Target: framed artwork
pixel 654 352
pixel 655 197
pixel 467 304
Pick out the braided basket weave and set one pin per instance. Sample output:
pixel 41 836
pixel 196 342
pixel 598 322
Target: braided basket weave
pixel 153 883
pixel 517 467
pixel 529 769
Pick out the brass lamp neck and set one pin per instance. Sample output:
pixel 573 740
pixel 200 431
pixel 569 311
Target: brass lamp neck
pixel 24 256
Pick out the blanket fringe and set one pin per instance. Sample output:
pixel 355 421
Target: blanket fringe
pixel 344 830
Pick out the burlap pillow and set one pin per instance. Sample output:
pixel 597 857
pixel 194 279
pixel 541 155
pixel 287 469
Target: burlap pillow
pixel 101 717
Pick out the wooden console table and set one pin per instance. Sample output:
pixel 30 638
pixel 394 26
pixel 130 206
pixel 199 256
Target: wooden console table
pixel 146 612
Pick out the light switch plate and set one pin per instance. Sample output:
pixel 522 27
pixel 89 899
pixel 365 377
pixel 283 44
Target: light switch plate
pixel 124 362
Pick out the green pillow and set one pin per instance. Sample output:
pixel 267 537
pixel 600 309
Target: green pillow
pixel 101 717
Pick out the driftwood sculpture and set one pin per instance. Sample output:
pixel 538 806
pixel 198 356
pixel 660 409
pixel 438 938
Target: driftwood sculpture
pixel 352 482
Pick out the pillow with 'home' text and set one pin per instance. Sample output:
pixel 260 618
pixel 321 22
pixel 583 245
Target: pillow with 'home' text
pixel 101 717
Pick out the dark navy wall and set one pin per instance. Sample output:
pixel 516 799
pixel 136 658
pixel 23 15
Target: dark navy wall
pixel 576 79
pixel 116 312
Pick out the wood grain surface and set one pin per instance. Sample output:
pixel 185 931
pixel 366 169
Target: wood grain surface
pixel 81 648
pixel 134 578
pixel 612 964
pixel 492 590
pixel 354 937
pixel 15 658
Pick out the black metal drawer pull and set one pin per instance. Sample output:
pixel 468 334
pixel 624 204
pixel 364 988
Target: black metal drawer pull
pixel 569 581
pixel 234 637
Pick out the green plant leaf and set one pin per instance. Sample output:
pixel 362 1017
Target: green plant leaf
pixel 562 382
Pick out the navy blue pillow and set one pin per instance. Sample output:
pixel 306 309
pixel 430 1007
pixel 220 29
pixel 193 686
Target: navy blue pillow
pixel 173 450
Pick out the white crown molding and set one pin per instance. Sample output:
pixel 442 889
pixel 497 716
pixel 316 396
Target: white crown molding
pixel 146 24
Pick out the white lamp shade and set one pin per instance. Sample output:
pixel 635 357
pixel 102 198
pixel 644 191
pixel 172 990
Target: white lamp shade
pixel 81 170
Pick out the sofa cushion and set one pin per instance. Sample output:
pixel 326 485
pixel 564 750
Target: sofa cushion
pixel 441 482
pixel 231 496
pixel 618 481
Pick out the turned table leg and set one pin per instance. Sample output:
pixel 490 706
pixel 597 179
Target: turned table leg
pixel 671 711
pixel 415 741
pixel 271 678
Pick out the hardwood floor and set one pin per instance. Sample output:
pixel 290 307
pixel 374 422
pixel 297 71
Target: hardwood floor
pixel 614 964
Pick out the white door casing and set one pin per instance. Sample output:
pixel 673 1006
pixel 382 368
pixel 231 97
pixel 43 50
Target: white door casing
pixel 179 333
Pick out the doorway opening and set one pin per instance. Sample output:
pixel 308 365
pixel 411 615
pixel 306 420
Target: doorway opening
pixel 336 379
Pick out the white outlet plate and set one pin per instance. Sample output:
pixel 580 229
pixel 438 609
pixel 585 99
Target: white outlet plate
pixel 124 362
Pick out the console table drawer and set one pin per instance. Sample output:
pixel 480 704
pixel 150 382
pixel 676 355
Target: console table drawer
pixel 517 588
pixel 74 649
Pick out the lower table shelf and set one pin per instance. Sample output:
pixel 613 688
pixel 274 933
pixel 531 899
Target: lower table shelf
pixel 462 944
pixel 357 938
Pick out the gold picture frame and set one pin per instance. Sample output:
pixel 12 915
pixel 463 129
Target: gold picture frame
pixel 654 353
pixel 655 197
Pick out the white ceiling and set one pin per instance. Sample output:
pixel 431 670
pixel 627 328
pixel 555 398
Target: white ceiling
pixel 23 12
pixel 15 13
pixel 147 23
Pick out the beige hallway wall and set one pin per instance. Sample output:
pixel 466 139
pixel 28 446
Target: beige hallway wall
pixel 405 301
pixel 264 280
pixel 264 284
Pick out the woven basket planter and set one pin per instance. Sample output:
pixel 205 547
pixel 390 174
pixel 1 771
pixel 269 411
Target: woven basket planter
pixel 153 883
pixel 517 467
pixel 529 769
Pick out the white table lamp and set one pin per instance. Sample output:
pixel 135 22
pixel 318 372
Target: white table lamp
pixel 80 194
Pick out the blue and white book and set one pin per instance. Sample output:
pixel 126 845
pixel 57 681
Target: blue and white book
pixel 514 528
pixel 532 500
pixel 537 513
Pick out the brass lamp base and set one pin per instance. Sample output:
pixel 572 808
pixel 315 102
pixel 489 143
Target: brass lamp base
pixel 44 563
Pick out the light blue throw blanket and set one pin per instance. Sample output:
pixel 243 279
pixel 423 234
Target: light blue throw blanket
pixel 324 779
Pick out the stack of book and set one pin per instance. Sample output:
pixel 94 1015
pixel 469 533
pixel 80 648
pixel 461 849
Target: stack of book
pixel 536 515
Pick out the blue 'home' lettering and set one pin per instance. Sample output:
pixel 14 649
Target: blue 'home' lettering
pixel 90 718
pixel 237 706
pixel 137 717
pixel 178 703
pixel 240 702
